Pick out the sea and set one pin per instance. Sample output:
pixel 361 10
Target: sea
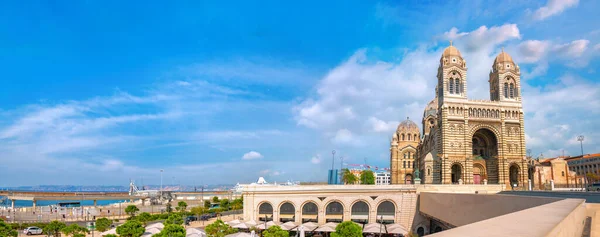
pixel 26 203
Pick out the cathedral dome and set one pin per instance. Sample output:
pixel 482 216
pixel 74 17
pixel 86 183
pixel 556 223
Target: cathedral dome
pixel 503 57
pixel 451 51
pixel 407 126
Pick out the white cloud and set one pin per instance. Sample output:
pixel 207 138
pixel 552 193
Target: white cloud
pixel 378 125
pixel 315 159
pixel 597 47
pixel 343 136
pixel 573 49
pixel 553 7
pixel 532 50
pixel 483 38
pixel 252 155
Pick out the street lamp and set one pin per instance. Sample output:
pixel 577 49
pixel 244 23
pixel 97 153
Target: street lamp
pixel 580 139
pixel 332 159
pixel 161 194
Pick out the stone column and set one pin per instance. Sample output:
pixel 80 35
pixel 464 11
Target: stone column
pixel 297 218
pixel 321 216
pixel 394 162
pixel 446 173
pixel 468 179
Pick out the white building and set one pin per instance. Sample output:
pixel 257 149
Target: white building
pixel 383 178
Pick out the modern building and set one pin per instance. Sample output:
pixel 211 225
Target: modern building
pixel 468 141
pixel 585 164
pixel 333 177
pixel 383 178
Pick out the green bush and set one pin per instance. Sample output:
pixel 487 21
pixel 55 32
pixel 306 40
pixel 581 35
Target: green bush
pixel 131 228
pixel 275 231
pixel 347 229
pixel 103 224
pixel 7 230
pixel 219 229
pixel 171 231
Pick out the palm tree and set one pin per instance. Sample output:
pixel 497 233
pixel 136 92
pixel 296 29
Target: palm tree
pixel 348 177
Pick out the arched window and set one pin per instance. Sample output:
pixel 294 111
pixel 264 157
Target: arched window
pixel 451 86
pixel 458 86
pixel 512 90
pixel 404 155
pixel 415 137
pixel 404 164
pixel 428 171
pixel 505 90
pixel 402 136
pixel 414 156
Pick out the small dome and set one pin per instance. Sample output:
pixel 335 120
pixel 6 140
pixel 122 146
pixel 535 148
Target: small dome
pixel 503 57
pixel 408 126
pixel 451 51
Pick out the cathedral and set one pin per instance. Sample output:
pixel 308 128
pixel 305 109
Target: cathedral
pixel 465 141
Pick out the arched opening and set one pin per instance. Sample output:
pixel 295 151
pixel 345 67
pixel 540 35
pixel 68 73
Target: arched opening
pixel 265 212
pixel 386 212
pixel 514 175
pixel 456 173
pixel 334 212
pixel 310 212
pixel 485 146
pixel 360 212
pixel 420 231
pixel 408 178
pixel 478 174
pixel 287 212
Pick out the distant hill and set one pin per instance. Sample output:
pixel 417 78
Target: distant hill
pixel 114 188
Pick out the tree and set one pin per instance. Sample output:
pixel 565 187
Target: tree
pixel 224 204
pixel 174 218
pixel 215 199
pixel 6 230
pixel 103 224
pixel 144 217
pixel 110 235
pixel 237 204
pixel 275 231
pixel 198 210
pixel 74 229
pixel 78 235
pixel 347 229
pixel 54 228
pixel 348 177
pixel 181 206
pixel 171 231
pixel 169 208
pixel 131 210
pixel 131 228
pixel 367 177
pixel 219 229
pixel 206 204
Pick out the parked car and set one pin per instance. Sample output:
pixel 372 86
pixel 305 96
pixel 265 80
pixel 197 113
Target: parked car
pixel 204 217
pixel 190 219
pixel 33 230
pixel 594 187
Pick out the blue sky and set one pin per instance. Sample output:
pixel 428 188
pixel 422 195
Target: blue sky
pixel 98 92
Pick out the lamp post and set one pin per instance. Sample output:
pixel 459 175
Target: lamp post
pixel 161 175
pixel 580 139
pixel 332 159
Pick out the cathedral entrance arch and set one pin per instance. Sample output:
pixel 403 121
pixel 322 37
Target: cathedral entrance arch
pixel 456 173
pixel 408 179
pixel 484 144
pixel 478 173
pixel 514 174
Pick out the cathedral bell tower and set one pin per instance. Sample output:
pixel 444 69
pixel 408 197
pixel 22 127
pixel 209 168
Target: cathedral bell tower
pixel 452 76
pixel 505 79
